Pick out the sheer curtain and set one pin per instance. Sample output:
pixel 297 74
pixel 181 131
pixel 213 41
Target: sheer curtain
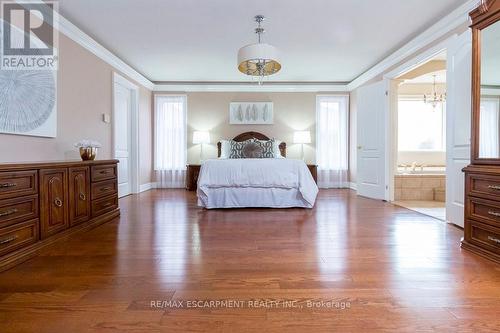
pixel 170 141
pixel 489 127
pixel 332 141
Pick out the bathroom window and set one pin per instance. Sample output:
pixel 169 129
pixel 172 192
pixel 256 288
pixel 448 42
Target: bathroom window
pixel 421 127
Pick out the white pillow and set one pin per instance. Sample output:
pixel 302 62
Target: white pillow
pixel 277 152
pixel 225 148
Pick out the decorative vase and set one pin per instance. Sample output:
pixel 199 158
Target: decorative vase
pixel 88 153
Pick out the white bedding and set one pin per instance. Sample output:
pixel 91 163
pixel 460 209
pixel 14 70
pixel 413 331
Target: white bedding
pixel 261 182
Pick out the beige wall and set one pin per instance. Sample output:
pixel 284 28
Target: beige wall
pixel 292 112
pixel 420 89
pixel 84 94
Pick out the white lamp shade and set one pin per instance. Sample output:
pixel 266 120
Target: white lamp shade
pixel 258 51
pixel 201 137
pixel 250 54
pixel 302 137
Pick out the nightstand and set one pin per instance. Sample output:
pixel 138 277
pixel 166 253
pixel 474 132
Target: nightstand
pixel 314 171
pixel 193 170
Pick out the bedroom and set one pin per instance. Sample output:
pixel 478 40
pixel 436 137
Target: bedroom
pixel 189 166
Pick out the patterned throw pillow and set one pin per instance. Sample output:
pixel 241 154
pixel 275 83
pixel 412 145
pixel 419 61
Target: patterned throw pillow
pixel 267 147
pixel 252 150
pixel 237 148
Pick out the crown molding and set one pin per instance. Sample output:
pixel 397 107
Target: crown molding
pixel 447 24
pixel 250 87
pixel 80 37
pixel 77 35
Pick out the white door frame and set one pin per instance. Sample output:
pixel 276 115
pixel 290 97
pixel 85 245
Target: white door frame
pixel 392 116
pixel 134 126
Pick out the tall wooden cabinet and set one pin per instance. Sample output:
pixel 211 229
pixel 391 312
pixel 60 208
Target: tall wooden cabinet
pixel 41 202
pixel 482 176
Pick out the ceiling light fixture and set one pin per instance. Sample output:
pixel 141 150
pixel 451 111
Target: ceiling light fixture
pixel 259 59
pixel 434 99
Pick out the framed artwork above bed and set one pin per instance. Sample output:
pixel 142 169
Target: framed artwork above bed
pixel 251 113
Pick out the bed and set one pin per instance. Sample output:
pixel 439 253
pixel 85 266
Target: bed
pixel 255 182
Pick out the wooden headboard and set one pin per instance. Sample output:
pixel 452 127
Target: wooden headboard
pixel 253 135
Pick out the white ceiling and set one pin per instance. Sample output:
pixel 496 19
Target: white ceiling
pixel 198 40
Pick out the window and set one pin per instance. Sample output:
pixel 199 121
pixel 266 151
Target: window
pixel 332 140
pixel 420 126
pixel 170 140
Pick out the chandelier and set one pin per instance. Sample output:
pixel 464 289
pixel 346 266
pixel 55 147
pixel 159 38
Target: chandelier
pixel 259 59
pixel 434 99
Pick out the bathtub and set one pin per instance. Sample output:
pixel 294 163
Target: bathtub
pixel 420 185
pixel 422 171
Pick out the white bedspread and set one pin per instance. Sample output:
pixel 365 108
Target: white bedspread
pixel 260 173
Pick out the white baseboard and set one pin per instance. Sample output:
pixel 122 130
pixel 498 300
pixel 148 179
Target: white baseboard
pixel 353 186
pixel 344 185
pixel 146 187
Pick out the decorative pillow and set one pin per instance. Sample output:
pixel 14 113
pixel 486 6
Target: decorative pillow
pixel 252 150
pixel 237 148
pixel 267 147
pixel 225 148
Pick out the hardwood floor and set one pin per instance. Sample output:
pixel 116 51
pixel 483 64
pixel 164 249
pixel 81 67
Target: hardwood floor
pixel 391 269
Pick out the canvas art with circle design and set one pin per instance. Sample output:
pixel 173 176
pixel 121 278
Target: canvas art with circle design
pixel 28 100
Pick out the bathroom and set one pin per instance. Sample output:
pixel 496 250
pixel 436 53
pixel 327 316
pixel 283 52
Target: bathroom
pixel 420 178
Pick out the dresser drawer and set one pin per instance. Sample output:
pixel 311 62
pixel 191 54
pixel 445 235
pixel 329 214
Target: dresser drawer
pixel 484 236
pixel 103 172
pixel 485 186
pixel 17 236
pixel 482 210
pixel 18 183
pixel 18 210
pixel 104 205
pixel 104 188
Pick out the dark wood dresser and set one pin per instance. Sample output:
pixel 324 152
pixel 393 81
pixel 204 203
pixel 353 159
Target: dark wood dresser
pixel 482 176
pixel 482 211
pixel 193 171
pixel 42 202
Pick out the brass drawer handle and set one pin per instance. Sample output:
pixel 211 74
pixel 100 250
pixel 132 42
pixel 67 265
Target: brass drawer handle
pixel 8 212
pixel 493 239
pixel 104 172
pixel 8 240
pixel 494 187
pixel 6 185
pixel 105 189
pixel 82 196
pixel 58 202
pixel 107 204
pixel 494 213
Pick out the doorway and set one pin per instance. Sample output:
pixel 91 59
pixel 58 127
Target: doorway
pixel 420 150
pixel 458 50
pixel 125 134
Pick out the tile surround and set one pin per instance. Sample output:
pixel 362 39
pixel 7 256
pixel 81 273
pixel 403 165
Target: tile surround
pixel 419 187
